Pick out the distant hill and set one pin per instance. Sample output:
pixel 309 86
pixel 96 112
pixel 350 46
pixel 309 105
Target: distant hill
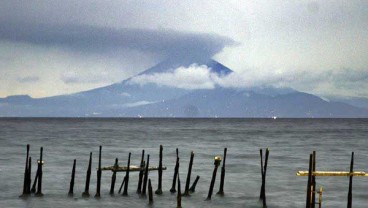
pixel 359 102
pixel 150 100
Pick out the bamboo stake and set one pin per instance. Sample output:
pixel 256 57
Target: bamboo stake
pixel 71 186
pixel 39 184
pixel 186 191
pixel 173 190
pixel 150 192
pixel 142 165
pixel 159 188
pixel 125 193
pixel 145 177
pixel 25 179
pixel 221 189
pixel 113 177
pixel 99 173
pixel 350 193
pixel 88 177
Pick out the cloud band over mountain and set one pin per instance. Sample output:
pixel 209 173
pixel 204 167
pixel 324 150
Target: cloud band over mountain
pixel 93 39
pixel 201 77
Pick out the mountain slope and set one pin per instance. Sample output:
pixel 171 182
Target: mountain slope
pixel 125 99
pixel 243 103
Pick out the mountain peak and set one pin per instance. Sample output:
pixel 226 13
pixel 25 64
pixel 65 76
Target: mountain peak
pixel 18 97
pixel 170 64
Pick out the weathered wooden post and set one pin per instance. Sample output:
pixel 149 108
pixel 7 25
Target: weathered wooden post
pixel 71 186
pixel 39 184
pixel 216 163
pixel 221 189
pixel 125 193
pixel 113 177
pixel 99 172
pixel 192 188
pixel 173 190
pixel 33 190
pixel 25 179
pixel 186 191
pixel 320 197
pixel 122 184
pixel 264 171
pixel 150 192
pixel 140 179
pixel 145 177
pixel 350 193
pixel 308 202
pixel 88 177
pixel 178 197
pixel 261 191
pixel 28 190
pixel 313 189
pixel 159 187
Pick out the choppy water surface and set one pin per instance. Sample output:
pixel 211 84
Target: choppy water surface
pixel 290 142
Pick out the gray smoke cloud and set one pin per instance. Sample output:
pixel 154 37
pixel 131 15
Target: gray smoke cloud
pixel 93 39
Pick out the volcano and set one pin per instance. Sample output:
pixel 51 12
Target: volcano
pixel 125 99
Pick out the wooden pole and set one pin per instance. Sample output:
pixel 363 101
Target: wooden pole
pixel 173 190
pixel 125 193
pixel 150 194
pixel 264 179
pixel 39 184
pixel 186 191
pixel 113 177
pixel 320 197
pixel 313 189
pixel 262 186
pixel 308 202
pixel 88 177
pixel 145 177
pixel 25 178
pixel 159 188
pixel 333 173
pixel 139 189
pixel 350 193
pixel 216 163
pixel 33 190
pixel 221 189
pixel 29 176
pixel 178 197
pixel 122 184
pixel 192 188
pixel 71 186
pixel 99 172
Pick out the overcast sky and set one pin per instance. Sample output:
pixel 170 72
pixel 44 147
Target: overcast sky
pixel 57 47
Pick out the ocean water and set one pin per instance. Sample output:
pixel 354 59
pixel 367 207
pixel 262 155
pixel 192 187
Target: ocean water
pixel 290 142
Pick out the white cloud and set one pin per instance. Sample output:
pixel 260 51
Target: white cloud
pixel 344 81
pixel 133 104
pixel 139 103
pixel 201 77
pixel 193 77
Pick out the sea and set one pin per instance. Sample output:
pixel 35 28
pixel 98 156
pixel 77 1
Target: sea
pixel 290 142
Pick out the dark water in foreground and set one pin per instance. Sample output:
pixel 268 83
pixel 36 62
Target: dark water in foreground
pixel 290 142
